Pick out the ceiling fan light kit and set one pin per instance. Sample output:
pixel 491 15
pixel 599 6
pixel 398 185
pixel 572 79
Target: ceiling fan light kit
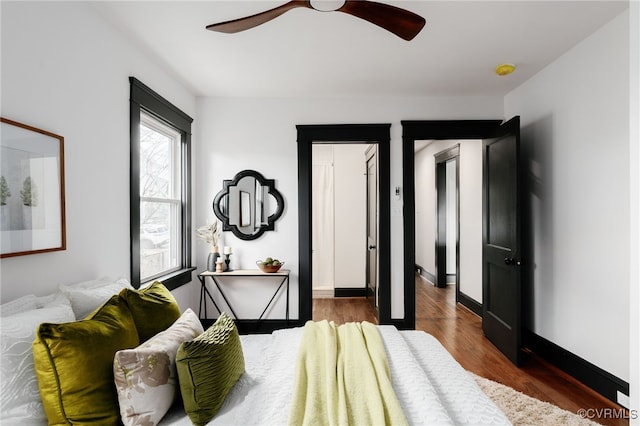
pixel 401 22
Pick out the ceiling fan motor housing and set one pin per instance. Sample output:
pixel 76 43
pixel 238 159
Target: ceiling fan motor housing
pixel 326 5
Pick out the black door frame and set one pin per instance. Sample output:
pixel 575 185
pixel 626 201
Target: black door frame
pixel 379 134
pixel 371 292
pixel 426 130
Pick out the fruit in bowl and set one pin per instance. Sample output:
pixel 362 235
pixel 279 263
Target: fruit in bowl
pixel 269 265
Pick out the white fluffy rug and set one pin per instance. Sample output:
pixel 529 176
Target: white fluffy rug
pixel 524 410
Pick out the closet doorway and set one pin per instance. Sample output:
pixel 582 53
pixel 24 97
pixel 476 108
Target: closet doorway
pixel 365 134
pixel 339 219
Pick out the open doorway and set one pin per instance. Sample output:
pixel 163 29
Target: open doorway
pixel 344 222
pixel 366 134
pixel 448 216
pixel 339 220
pixel 500 299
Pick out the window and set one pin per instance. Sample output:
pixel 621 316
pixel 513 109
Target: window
pixel 160 199
pixel 160 189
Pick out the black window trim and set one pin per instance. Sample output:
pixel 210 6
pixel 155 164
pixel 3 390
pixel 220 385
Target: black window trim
pixel 144 98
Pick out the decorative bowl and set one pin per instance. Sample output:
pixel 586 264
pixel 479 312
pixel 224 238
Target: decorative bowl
pixel 269 268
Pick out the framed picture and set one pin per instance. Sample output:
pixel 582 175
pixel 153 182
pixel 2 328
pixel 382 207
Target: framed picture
pixel 32 216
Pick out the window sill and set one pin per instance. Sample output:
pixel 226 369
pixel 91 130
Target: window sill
pixel 175 279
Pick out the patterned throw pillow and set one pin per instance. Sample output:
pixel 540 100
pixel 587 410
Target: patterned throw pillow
pixel 146 377
pixel 208 367
pixel 74 365
pixel 154 309
pixel 20 401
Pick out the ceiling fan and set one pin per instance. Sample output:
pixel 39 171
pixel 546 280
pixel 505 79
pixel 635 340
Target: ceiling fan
pixel 400 22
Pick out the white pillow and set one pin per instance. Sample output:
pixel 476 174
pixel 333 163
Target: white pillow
pixel 20 402
pixel 88 296
pixel 18 305
pixel 30 301
pixel 51 300
pixel 146 378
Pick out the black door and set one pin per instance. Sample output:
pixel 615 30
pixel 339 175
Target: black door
pixel 501 281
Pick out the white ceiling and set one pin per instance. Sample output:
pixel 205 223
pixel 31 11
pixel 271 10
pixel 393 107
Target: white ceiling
pixel 305 53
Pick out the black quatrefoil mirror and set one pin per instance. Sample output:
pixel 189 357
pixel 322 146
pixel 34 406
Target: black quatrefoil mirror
pixel 248 205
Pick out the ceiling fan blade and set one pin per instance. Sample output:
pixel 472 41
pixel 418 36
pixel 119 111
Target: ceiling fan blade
pixel 248 22
pixel 401 22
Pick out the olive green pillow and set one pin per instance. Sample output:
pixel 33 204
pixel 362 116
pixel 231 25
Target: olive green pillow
pixel 208 367
pixel 74 365
pixel 154 309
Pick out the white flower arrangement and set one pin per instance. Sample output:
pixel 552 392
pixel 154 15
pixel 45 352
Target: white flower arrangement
pixel 209 233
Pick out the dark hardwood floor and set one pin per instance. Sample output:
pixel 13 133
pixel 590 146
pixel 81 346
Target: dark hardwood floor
pixel 460 332
pixel 344 309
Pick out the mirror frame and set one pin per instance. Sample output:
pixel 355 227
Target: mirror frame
pixel 271 220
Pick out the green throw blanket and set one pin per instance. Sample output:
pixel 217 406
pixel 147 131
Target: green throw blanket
pixel 342 378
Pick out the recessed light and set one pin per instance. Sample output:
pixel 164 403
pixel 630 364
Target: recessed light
pixel 505 69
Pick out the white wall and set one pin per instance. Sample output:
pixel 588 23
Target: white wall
pixel 243 133
pixel 575 138
pixel 425 203
pixel 323 221
pixel 470 280
pixel 471 219
pixel 452 215
pixel 634 196
pixel 66 71
pixel 342 265
pixel 351 215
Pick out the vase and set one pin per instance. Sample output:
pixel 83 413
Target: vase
pixel 212 259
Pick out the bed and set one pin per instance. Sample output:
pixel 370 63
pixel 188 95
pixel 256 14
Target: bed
pixel 428 385
pixel 433 389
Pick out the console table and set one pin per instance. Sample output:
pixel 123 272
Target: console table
pixel 253 274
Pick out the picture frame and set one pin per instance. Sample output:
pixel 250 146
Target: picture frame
pixel 32 201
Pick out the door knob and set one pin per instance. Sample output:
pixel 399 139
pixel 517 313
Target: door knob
pixel 371 247
pixel 512 261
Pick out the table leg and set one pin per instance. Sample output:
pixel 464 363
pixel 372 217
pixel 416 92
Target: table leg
pixel 203 301
pixel 224 297
pixel 273 297
pixel 204 293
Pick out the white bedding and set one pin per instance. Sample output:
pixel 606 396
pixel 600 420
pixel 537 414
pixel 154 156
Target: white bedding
pixel 431 386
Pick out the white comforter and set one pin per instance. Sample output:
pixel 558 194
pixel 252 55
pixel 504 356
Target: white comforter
pixel 431 386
